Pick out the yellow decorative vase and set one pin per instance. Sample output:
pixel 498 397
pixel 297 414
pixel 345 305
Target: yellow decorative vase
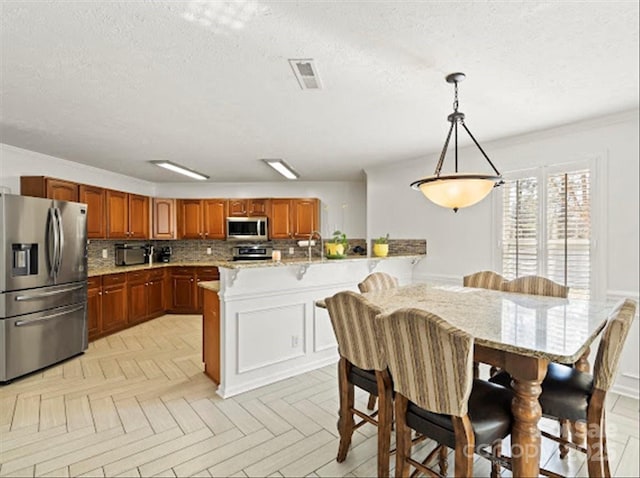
pixel 381 250
pixel 334 250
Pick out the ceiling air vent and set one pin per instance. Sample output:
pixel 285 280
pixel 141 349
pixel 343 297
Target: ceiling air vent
pixel 306 74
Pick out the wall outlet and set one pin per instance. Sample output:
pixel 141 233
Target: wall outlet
pixel 294 341
pixel 291 251
pixel 105 253
pixel 208 251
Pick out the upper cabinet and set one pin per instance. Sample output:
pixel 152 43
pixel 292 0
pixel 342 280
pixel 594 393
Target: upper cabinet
pixel 202 218
pixel 294 218
pixel 248 207
pixel 52 188
pixel 163 218
pixel 127 215
pixel 95 199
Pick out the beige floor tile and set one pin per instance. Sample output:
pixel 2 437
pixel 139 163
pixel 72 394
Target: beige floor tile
pixel 22 473
pixel 222 453
pixel 629 464
pixel 59 473
pixel 212 416
pixel 289 454
pixel 52 413
pixel 105 415
pixel 7 406
pixel 78 413
pixel 239 416
pixel 267 417
pixel 187 419
pixel 296 418
pixel 97 473
pixel 158 415
pixel 8 444
pixel 319 415
pixel 27 412
pixel 131 414
pixel 193 446
pixel 130 444
pixel 356 456
pixel 132 473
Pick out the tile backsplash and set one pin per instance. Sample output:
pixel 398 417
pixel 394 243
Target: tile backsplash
pixel 194 250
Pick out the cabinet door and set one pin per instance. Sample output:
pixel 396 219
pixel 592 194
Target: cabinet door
pixel 164 218
pixel 215 218
pixel 305 217
pixel 183 292
pixel 63 190
pixel 280 220
pixel 137 301
pixel 204 274
pixel 155 295
pixel 211 335
pixel 258 207
pixel 117 215
pixel 190 218
pixel 94 311
pixel 237 207
pixel 138 216
pixel 114 307
pixel 94 198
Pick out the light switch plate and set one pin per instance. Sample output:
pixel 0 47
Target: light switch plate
pixel 291 251
pixel 208 251
pixel 105 253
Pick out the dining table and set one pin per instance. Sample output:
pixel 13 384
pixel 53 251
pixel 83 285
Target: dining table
pixel 519 333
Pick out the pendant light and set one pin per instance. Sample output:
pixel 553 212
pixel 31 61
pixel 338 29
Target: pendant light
pixel 458 189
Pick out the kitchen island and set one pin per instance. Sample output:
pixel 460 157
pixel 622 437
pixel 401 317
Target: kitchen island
pixel 260 324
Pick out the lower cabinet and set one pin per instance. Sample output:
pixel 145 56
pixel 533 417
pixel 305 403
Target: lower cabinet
pixel 118 301
pixel 211 334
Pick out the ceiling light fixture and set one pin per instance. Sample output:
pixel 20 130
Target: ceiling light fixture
pixel 176 168
pixel 457 190
pixel 283 168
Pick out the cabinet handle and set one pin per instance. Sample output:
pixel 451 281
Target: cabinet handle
pixel 99 293
pixel 106 291
pixel 146 283
pixel 151 283
pixel 191 280
pixel 206 234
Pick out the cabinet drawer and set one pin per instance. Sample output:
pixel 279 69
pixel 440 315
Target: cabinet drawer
pixel 207 271
pixel 94 282
pixel 137 276
pixel 182 271
pixel 113 279
pixel 157 274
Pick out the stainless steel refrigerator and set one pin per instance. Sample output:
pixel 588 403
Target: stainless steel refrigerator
pixel 43 283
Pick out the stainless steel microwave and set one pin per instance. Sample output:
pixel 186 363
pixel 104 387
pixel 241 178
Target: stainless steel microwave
pixel 247 228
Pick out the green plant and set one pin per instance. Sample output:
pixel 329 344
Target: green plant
pixel 382 240
pixel 339 238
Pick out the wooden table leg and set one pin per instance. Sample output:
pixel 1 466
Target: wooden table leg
pixel 579 429
pixel 525 437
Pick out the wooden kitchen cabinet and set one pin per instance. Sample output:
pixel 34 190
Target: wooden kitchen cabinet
pixel 114 302
pixel 155 293
pixel 95 199
pixel 45 187
pixel 163 218
pixel 137 297
pixel 211 335
pixel 248 207
pixel 186 296
pixel 238 207
pixel 294 218
pixel 202 218
pixel 127 215
pixel 94 307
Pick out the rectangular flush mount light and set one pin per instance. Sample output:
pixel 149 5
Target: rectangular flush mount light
pixel 176 168
pixel 283 168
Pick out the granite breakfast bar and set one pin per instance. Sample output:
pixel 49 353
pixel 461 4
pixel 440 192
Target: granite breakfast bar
pixel 260 324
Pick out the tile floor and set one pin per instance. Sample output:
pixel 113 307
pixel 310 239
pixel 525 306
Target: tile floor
pixel 137 404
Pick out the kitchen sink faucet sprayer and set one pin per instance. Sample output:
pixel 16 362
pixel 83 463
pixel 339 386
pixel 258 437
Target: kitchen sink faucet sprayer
pixel 318 236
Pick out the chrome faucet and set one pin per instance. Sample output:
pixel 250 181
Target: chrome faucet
pixel 319 236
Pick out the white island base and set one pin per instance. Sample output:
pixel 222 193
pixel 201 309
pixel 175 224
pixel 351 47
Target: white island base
pixel 269 327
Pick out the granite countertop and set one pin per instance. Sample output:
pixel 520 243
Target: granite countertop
pixel 213 285
pixel 244 264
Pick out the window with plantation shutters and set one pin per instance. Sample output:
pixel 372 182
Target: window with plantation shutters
pixel 546 226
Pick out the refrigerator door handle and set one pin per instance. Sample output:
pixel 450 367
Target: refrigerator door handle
pixel 22 323
pixel 58 215
pixel 22 298
pixel 52 248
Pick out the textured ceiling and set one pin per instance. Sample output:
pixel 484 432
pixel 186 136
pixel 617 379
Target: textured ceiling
pixel 207 83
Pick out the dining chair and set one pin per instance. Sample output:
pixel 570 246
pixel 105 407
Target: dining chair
pixel 536 285
pixel 484 280
pixel 372 283
pixel 572 395
pixel 362 364
pixel 435 392
pixel 378 281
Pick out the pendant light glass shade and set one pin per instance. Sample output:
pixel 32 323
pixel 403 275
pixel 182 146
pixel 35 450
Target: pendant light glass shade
pixel 457 190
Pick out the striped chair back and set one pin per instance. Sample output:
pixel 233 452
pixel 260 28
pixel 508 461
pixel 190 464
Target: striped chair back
pixel 484 280
pixel 610 348
pixel 431 361
pixel 353 320
pixel 536 285
pixel 378 281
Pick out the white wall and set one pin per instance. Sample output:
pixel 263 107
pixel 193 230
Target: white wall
pixel 16 162
pixel 343 202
